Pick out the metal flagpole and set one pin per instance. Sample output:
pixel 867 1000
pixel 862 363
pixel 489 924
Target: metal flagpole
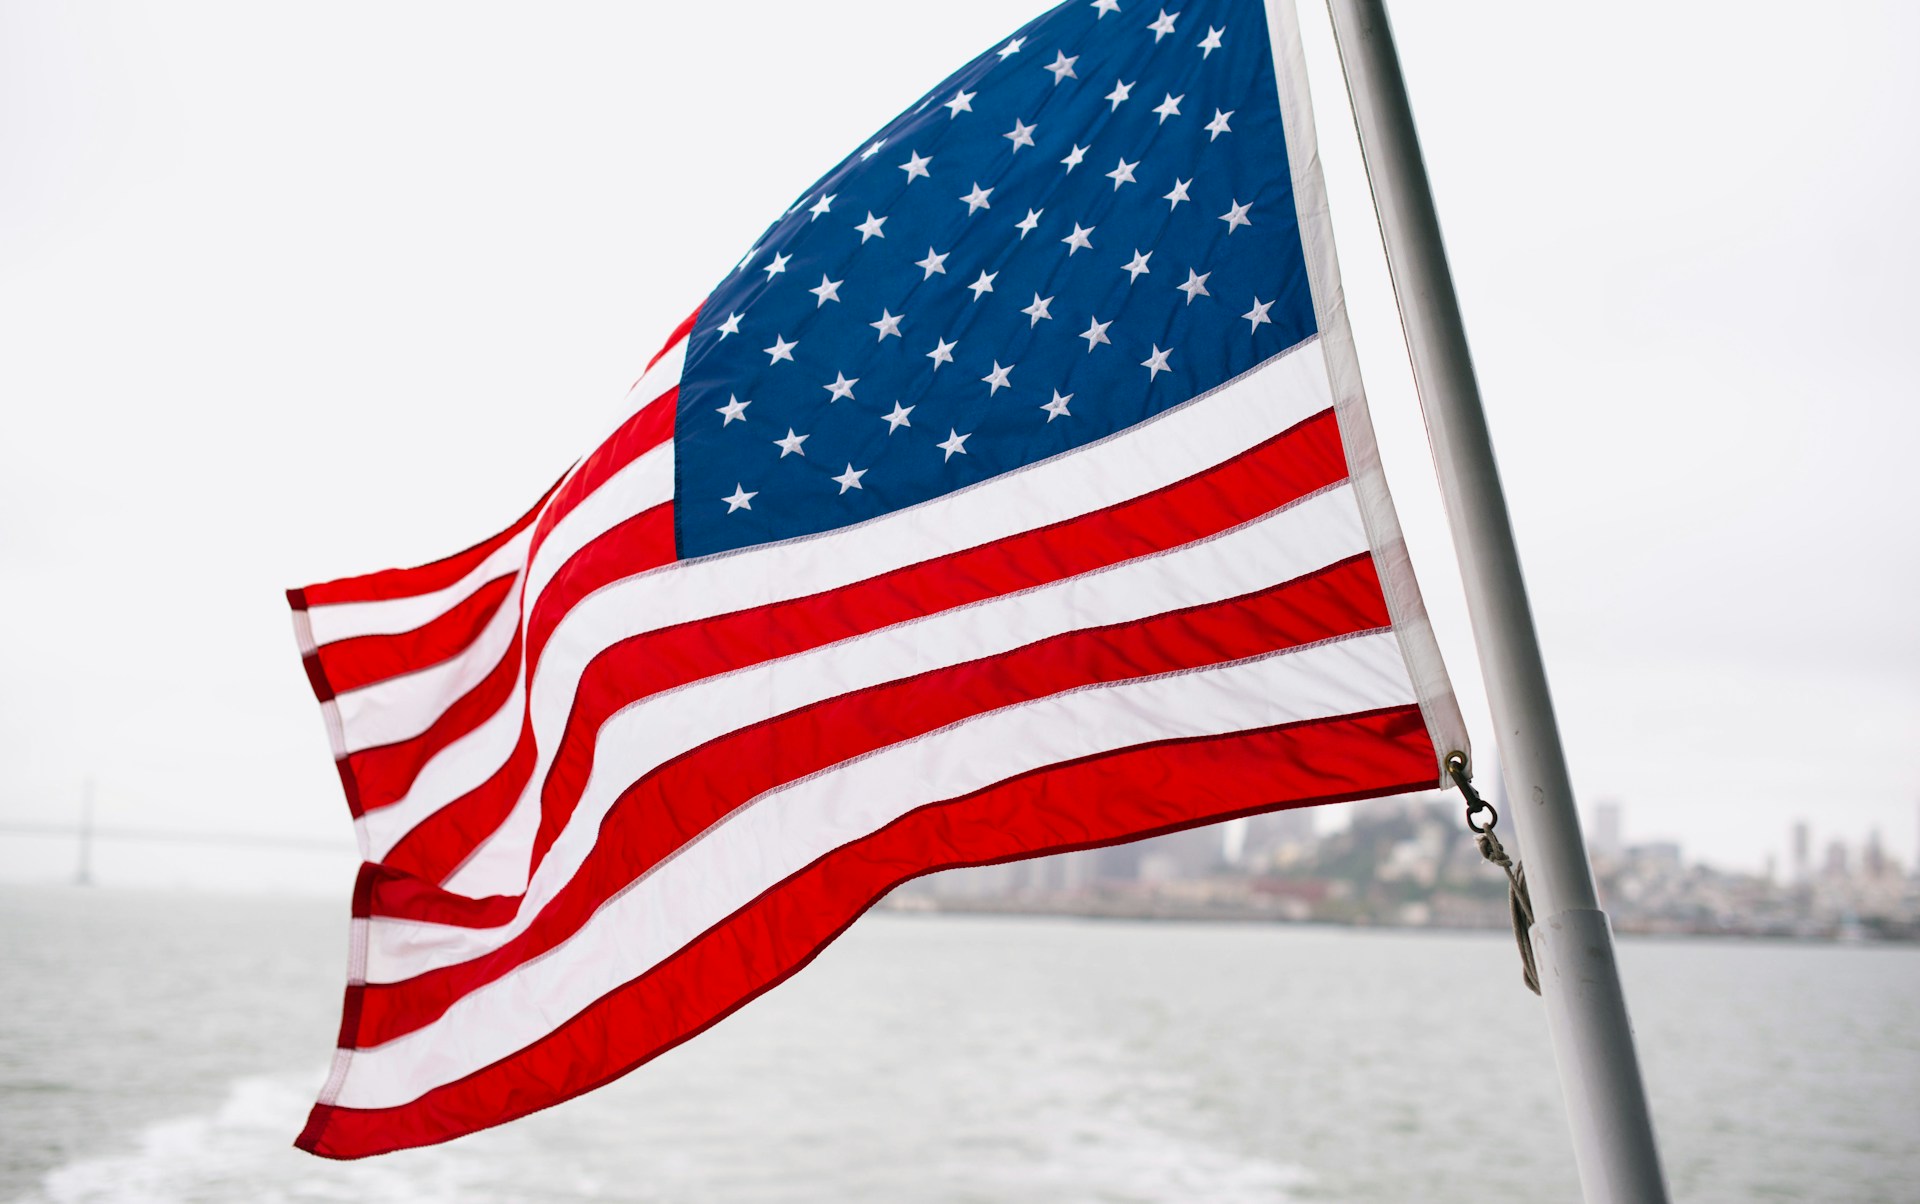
pixel 1573 941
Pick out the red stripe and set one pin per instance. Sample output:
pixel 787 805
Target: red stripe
pixel 1285 468
pixel 658 814
pixel 1117 796
pixel 649 427
pixel 673 340
pixel 383 775
pixel 437 846
pixel 363 660
pixel 406 583
pixel 642 542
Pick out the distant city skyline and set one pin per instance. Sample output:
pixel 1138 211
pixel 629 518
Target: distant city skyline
pixel 1408 862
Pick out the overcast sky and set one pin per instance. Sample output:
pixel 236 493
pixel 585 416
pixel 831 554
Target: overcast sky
pixel 291 292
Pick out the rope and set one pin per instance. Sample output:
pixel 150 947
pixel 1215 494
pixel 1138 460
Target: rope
pixel 1519 902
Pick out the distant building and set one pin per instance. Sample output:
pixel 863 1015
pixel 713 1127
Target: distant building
pixel 1836 864
pixel 1873 861
pixel 1802 854
pixel 1606 829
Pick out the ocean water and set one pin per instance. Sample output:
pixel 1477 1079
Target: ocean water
pixel 165 1047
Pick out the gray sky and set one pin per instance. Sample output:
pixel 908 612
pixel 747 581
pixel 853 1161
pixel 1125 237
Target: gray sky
pixel 290 292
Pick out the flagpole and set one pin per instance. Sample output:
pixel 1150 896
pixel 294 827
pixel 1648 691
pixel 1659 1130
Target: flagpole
pixel 1573 941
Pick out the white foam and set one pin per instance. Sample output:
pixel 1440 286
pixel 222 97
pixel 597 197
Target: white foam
pixel 242 1151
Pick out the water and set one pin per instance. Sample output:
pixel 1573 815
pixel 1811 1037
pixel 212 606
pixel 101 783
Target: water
pixel 164 1047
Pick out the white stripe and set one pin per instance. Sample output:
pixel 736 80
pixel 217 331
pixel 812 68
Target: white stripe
pixel 1183 441
pixel 664 375
pixel 786 829
pixel 403 707
pixel 456 769
pixel 345 620
pixel 1286 544
pixel 595 430
pixel 644 483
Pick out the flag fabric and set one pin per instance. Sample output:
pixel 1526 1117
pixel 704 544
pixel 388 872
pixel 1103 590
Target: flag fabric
pixel 1014 494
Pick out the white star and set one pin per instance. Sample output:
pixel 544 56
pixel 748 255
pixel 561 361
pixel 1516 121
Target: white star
pixel 748 258
pixel 841 387
pixel 898 418
pixel 1106 6
pixel 1257 314
pixel 1178 194
pixel 829 290
pixel 956 442
pixel 1196 285
pixel 1073 158
pixel 1137 266
pixel 1156 363
pixel 977 199
pixel 1170 107
pixel 1211 42
pixel 741 499
pixel 1021 134
pixel 1120 92
pixel 1164 26
pixel 734 411
pixel 942 352
pixel 983 285
pixel 791 444
pixel 1057 408
pixel 1122 174
pixel 934 262
pixel 1027 224
pixel 873 150
pixel 781 350
pixel 889 324
pixel 1037 310
pixel 871 227
pixel 821 206
pixel 778 266
pixel 850 479
pixel 1062 67
pixel 1236 217
pixel 916 165
pixel 730 326
pixel 1218 125
pixel 1010 49
pixel 962 102
pixel 1095 333
pixel 996 380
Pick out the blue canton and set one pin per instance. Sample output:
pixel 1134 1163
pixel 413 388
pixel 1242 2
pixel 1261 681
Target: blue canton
pixel 1083 227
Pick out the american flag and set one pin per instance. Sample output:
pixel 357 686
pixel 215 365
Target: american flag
pixel 1014 494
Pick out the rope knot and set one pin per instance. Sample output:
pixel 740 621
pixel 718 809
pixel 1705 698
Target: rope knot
pixel 1491 848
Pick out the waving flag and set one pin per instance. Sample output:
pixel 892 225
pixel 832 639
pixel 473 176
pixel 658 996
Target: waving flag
pixel 1015 494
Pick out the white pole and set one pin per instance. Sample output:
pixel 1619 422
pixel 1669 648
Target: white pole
pixel 1586 1010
